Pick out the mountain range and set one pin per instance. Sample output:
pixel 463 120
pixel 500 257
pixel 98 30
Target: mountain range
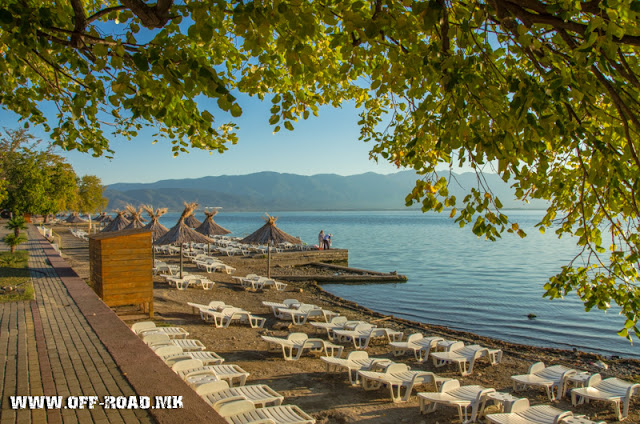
pixel 273 191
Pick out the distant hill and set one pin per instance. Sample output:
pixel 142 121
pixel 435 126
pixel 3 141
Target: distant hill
pixel 289 192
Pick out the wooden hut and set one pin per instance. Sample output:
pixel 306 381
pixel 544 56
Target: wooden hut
pixel 120 268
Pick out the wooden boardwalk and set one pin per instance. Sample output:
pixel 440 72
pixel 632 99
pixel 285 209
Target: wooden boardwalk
pixel 51 347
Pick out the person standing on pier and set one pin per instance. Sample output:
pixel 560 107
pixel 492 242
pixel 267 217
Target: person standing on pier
pixel 321 239
pixel 327 241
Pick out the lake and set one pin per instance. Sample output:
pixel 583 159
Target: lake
pixel 455 279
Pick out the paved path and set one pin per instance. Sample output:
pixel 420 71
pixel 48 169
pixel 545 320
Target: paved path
pixel 68 343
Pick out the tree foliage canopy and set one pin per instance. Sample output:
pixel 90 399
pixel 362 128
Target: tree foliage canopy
pixel 545 93
pixel 89 198
pixel 40 182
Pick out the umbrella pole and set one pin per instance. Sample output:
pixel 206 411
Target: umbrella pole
pixel 181 261
pixel 269 261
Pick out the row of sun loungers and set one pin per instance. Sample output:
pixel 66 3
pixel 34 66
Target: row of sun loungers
pixel 398 378
pixel 557 378
pixel 220 385
pixel 612 390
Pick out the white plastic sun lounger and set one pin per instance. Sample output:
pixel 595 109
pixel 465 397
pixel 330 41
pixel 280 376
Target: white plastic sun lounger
pixel 399 376
pixel 335 323
pixel 278 285
pixel 357 360
pixel 204 282
pixel 349 325
pixel 172 354
pixel 420 345
pixel 287 303
pixel 465 356
pixel 244 412
pixel 219 266
pixel 362 334
pixel 260 395
pixel 155 341
pixel 298 343
pixel 522 413
pixel 149 327
pixel 462 398
pixel 194 373
pixel 214 305
pixel 610 390
pixel 226 316
pixel 553 377
pixel 300 315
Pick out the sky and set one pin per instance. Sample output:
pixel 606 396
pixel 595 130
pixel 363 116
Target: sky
pixel 320 145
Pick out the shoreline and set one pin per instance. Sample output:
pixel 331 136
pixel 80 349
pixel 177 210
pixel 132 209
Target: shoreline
pixel 312 387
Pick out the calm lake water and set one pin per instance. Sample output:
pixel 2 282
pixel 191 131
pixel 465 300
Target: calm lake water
pixel 455 279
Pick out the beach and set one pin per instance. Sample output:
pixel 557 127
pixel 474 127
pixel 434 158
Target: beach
pixel 328 397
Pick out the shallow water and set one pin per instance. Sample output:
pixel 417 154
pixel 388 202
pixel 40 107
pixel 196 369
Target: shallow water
pixel 456 279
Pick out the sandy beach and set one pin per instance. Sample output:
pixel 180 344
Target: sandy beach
pixel 329 397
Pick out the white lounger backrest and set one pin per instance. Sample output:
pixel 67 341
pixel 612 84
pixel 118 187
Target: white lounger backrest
pixel 456 346
pixel 363 327
pixel 169 350
pixel 234 408
pixel 297 337
pixel 189 364
pixel 212 387
pixel 338 320
pixel 449 386
pixel 415 337
pixel 214 304
pixel 156 338
pixel 290 302
pixel 395 367
pixel 140 326
pixel 357 354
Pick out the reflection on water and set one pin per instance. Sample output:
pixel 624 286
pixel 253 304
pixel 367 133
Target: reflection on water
pixel 456 279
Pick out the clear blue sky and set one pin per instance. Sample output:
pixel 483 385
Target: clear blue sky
pixel 324 144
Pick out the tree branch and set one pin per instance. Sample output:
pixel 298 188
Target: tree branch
pixel 80 23
pixel 103 12
pixel 151 16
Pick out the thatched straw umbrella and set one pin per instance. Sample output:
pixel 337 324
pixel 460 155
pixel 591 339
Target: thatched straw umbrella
pixel 191 220
pixel 156 228
pixel 135 216
pixel 102 217
pixel 270 234
pixel 74 218
pixel 118 223
pixel 210 228
pixel 181 233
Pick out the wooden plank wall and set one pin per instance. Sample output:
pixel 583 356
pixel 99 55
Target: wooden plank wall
pixel 121 269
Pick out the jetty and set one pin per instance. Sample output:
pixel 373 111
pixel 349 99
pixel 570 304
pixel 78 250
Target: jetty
pixel 345 275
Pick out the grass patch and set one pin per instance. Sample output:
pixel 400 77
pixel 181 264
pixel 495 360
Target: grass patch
pixel 15 280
